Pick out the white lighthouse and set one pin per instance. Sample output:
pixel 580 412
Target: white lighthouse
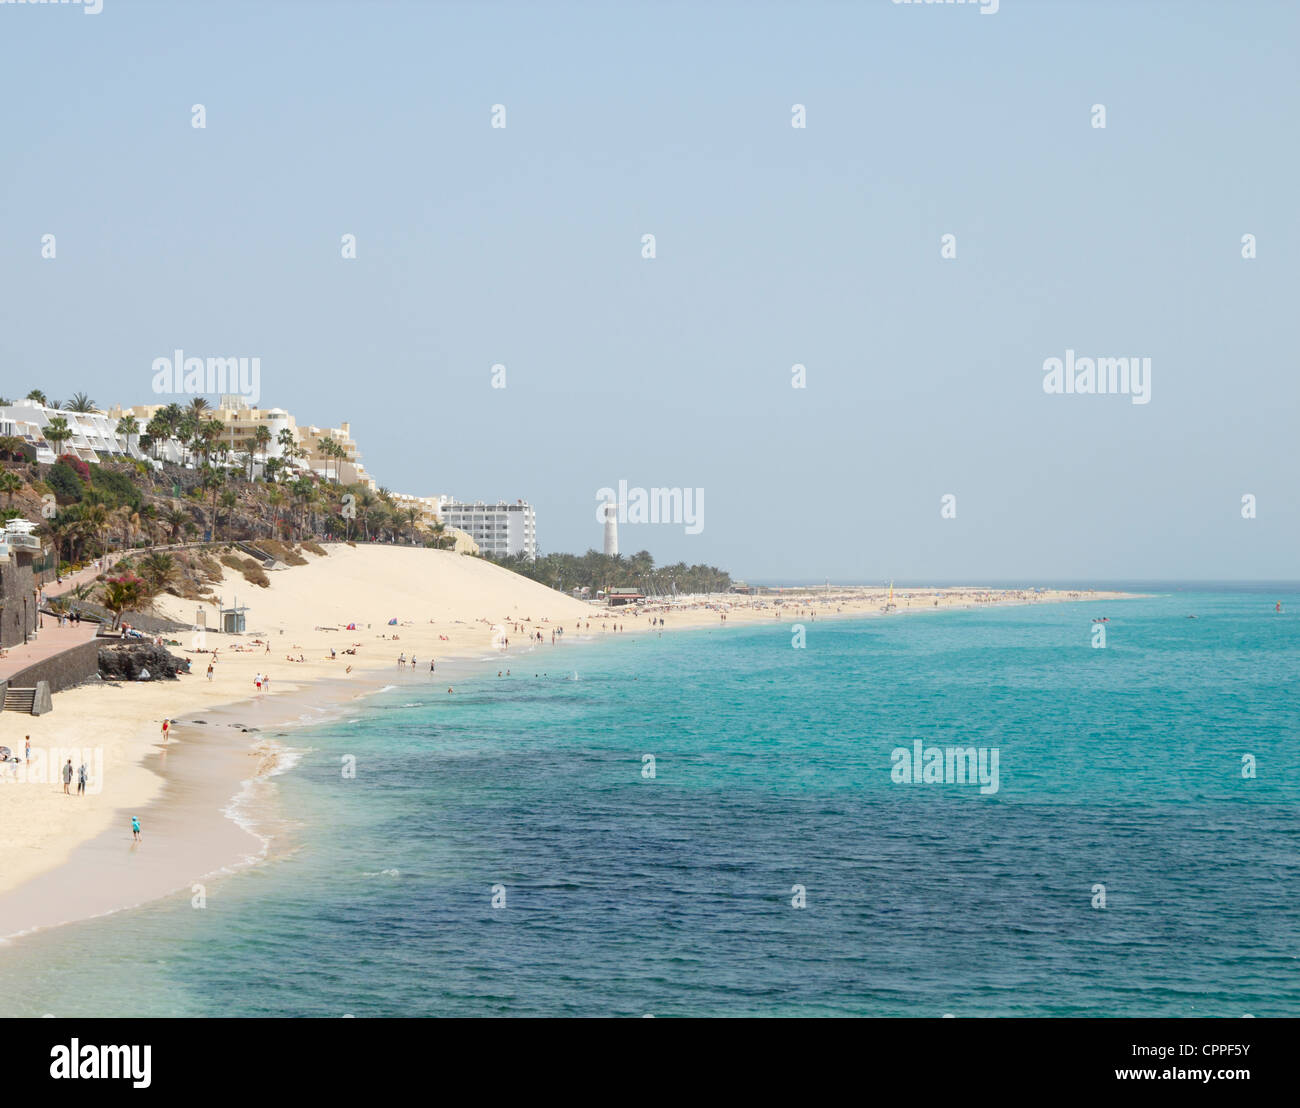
pixel 611 528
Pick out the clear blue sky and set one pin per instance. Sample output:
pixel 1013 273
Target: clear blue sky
pixel 775 246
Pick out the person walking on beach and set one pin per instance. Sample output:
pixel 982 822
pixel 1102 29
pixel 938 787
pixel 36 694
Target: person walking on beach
pixel 135 828
pixel 28 752
pixel 81 780
pixel 209 671
pixel 67 777
pixel 166 730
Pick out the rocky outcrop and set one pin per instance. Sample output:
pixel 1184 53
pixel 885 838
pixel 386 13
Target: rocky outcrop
pixel 138 662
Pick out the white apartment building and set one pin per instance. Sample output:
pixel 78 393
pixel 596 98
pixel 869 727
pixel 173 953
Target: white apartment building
pixel 94 434
pixel 241 421
pixel 499 529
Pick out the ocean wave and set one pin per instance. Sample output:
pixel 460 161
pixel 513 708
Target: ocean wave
pixel 286 758
pixel 273 759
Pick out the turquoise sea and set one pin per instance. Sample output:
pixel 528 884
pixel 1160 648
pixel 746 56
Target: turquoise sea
pixel 673 895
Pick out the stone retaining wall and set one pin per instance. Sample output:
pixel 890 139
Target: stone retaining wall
pixel 62 671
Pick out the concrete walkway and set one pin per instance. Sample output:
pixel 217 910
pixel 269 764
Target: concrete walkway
pixel 53 588
pixel 52 640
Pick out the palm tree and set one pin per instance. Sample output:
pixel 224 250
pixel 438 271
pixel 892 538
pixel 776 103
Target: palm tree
pixel 10 483
pixel 327 448
pixel 157 431
pixel 59 530
pixel 213 478
pixel 274 499
pixel 80 402
pixel 128 426
pixel 364 502
pixel 228 501
pixel 304 492
pixel 198 406
pixel 176 520
pixel 57 432
pixel 288 444
pixel 159 570
pixel 340 456
pixel 187 428
pixel 39 397
pixel 261 440
pixel 171 417
pixel 210 431
pixel 122 594
pixel 97 521
pixel 249 457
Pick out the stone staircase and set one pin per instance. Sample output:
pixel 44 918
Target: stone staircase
pixel 33 702
pixel 267 561
pixel 20 700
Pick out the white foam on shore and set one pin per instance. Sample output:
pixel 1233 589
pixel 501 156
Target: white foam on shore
pixel 283 759
pixel 250 793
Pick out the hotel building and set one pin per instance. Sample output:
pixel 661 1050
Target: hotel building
pixel 500 529
pixel 94 434
pixel 240 423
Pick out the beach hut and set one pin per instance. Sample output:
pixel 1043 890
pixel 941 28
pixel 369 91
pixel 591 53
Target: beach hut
pixel 618 597
pixel 233 621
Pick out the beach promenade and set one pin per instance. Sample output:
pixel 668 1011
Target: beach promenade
pixel 50 640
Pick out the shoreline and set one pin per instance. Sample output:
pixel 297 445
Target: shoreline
pixel 203 786
pixel 189 792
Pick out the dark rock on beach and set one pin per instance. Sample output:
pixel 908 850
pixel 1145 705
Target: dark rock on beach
pixel 130 662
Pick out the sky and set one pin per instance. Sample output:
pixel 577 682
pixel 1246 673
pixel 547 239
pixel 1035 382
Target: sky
pixel 774 246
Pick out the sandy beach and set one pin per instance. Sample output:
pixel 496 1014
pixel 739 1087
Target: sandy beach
pixel 323 635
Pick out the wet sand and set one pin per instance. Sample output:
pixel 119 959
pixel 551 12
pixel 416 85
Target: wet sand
pixel 204 821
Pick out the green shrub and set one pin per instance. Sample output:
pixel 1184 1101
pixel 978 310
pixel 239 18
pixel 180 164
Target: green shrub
pixel 117 486
pixel 65 484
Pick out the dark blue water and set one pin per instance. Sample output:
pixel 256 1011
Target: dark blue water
pixel 626 894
